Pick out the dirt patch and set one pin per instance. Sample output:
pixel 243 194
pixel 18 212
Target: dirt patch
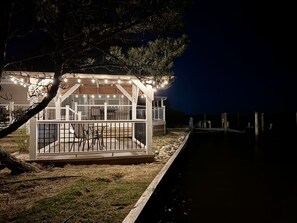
pixel 82 193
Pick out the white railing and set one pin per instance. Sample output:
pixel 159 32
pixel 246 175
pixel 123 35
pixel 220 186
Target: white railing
pixel 57 138
pixel 11 111
pixel 159 113
pixel 118 112
pixel 88 112
pixel 105 112
pixel 66 113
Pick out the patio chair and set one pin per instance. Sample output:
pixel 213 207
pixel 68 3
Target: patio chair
pixel 96 133
pixel 80 135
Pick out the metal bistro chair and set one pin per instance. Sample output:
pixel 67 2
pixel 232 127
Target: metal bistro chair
pixel 81 135
pixel 96 133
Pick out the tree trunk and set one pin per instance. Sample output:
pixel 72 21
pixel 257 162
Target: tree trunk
pixel 16 166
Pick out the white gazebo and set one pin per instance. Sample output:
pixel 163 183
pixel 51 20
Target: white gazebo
pixel 93 116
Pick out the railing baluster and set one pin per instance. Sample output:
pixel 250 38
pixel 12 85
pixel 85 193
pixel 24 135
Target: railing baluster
pixel 119 135
pixel 103 136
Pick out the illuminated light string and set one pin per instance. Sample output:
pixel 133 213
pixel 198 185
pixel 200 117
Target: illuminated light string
pixel 157 84
pixel 40 87
pixel 16 81
pixel 46 81
pixel 162 82
pixel 106 81
pixel 35 87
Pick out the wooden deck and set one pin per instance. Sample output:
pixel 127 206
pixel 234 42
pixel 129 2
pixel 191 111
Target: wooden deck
pixel 121 159
pixel 113 151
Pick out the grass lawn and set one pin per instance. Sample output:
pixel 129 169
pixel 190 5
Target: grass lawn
pixel 81 193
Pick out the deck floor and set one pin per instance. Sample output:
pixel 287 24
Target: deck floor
pixel 88 151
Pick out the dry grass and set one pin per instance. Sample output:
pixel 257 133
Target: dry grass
pixel 82 193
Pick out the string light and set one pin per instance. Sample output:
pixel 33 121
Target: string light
pixel 38 86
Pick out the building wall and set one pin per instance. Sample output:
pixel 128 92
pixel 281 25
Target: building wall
pixel 159 128
pixel 17 93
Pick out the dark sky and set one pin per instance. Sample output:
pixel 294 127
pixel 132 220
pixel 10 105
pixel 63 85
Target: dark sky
pixel 241 58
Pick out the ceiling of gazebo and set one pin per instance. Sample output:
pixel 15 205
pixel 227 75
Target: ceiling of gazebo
pixel 98 89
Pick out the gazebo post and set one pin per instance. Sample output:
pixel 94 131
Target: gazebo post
pixel 148 91
pixel 58 105
pixel 134 98
pixel 33 139
pixel 149 119
pixel 33 134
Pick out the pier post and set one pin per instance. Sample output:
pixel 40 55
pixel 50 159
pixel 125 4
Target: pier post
pixel 225 122
pixel 256 126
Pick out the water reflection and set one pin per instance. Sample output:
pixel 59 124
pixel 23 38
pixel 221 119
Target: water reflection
pixel 231 179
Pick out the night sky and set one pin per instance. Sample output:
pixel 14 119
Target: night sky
pixel 241 58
